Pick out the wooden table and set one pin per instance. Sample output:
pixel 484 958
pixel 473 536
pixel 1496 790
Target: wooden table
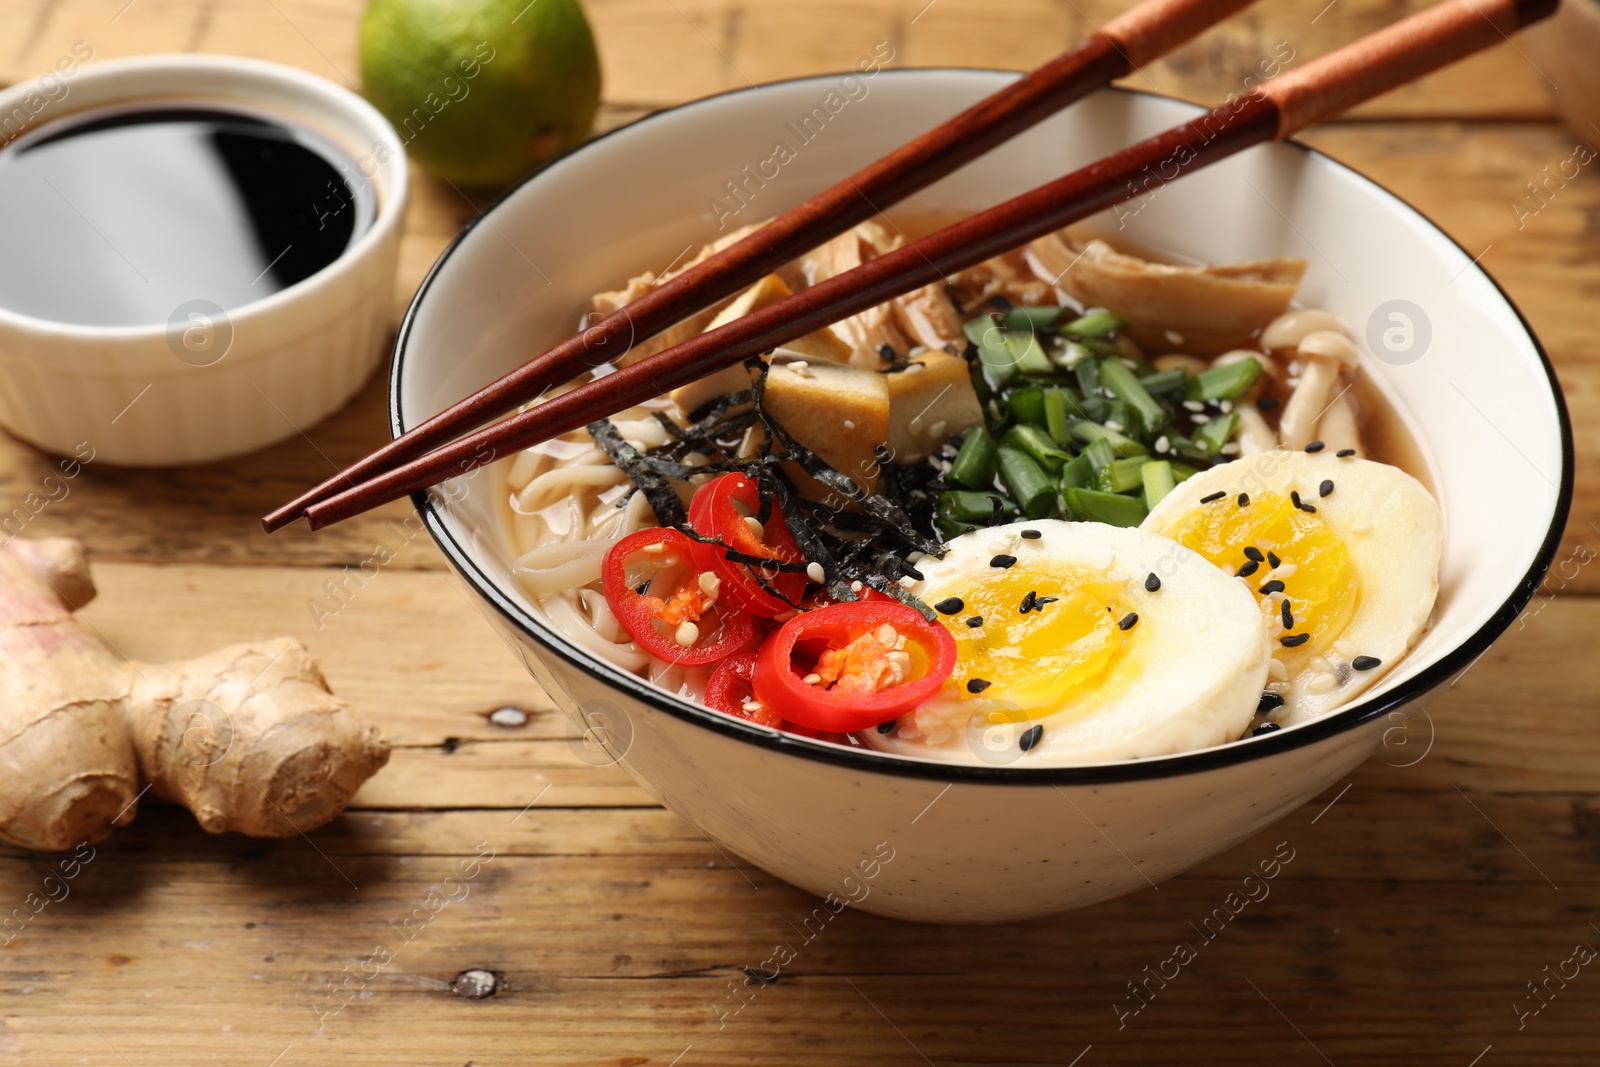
pixel 1421 901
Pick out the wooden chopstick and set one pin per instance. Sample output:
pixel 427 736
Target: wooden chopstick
pixel 1120 47
pixel 1381 61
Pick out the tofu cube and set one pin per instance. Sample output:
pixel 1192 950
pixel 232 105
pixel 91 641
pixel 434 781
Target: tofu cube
pixel 839 412
pixel 729 379
pixel 928 401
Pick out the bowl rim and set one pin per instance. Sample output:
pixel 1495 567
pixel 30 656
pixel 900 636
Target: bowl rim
pixel 870 760
pixel 389 209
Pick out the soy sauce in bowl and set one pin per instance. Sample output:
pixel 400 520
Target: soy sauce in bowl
pixel 116 217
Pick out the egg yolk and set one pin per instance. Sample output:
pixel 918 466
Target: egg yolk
pixel 1044 658
pixel 1319 582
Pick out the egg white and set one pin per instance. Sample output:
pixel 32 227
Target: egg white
pixel 1392 529
pixel 1193 678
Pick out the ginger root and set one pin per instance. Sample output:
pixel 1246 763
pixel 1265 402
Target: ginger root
pixel 248 737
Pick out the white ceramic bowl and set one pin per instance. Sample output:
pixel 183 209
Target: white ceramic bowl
pixel 986 843
pixel 202 390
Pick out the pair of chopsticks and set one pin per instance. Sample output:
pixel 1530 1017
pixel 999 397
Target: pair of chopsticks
pixel 1381 61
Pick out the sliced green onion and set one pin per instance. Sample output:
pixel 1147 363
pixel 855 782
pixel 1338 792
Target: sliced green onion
pixel 999 366
pixel 1115 376
pixel 1121 475
pixel 958 505
pixel 1089 505
pixel 1100 457
pixel 1227 382
pixel 1058 409
pixel 1096 324
pixel 1029 438
pixel 1124 446
pixel 1029 486
pixel 974 463
pixel 1088 374
pixel 1213 435
pixel 1182 471
pixel 1031 318
pixel 1071 353
pixel 1163 383
pixel 1080 472
pixel 1027 404
pixel 1156 476
pixel 1028 353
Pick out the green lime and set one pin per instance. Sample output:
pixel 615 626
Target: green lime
pixel 481 91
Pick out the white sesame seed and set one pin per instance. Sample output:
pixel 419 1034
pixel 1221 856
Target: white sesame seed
pixel 1199 419
pixel 1225 407
pixel 1114 426
pixel 907 582
pixel 752 705
pixel 815 572
pixel 1162 444
pixel 938 428
pixel 756 529
pixel 1277 671
pixel 812 679
pixel 686 634
pixel 1284 570
pixel 1322 683
pixel 1193 405
pixel 855 587
pixel 1345 649
pixel 849 424
pixel 1320 664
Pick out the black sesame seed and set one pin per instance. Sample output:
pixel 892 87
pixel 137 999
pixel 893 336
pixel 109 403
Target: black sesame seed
pixel 886 351
pixel 1365 663
pixel 1294 497
pixel 1294 640
pixel 1218 495
pixel 886 727
pixel 1029 601
pixel 1326 487
pixel 1274 586
pixel 1309 509
pixel 1269 702
pixel 949 605
pixel 1152 583
pixel 975 622
pixel 1315 446
pixel 1265 728
pixel 1002 561
pixel 1252 552
pixel 1273 561
pixel 1267 403
pixel 1128 620
pixel 1030 737
pixel 1249 568
pixel 1244 498
pixel 977 685
pixel 1345 453
pixel 1031 535
pixel 1288 616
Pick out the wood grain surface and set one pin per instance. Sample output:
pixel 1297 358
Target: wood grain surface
pixel 1425 892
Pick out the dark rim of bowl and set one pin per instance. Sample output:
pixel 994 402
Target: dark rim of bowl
pixel 871 760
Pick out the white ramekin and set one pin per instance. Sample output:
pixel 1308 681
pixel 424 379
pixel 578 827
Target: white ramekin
pixel 141 395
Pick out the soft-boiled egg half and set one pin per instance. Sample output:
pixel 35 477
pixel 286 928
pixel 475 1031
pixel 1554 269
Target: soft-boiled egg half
pixel 1341 554
pixel 1079 642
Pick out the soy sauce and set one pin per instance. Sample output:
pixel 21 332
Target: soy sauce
pixel 116 218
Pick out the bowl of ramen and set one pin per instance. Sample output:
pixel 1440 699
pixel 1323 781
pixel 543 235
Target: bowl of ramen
pixel 1027 589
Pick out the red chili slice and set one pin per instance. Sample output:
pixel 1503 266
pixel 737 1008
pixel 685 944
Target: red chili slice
pixel 655 621
pixel 716 512
pixel 729 690
pixel 858 681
